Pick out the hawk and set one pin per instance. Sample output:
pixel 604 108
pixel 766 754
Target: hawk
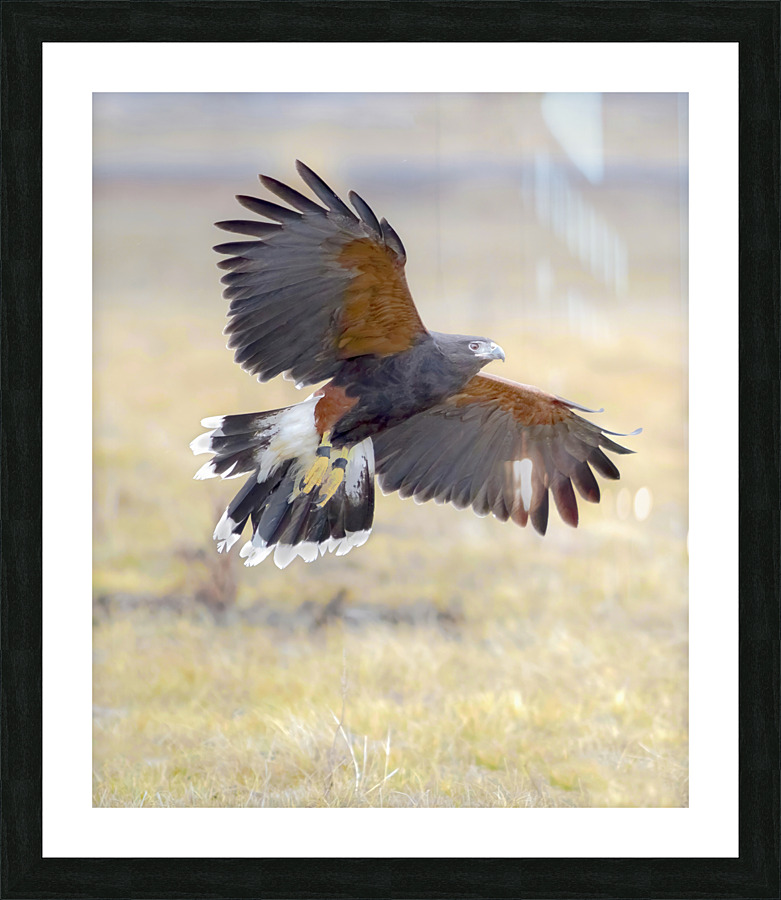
pixel 318 294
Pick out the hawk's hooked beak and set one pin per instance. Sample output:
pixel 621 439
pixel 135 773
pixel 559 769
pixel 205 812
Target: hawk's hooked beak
pixel 496 352
pixel 489 351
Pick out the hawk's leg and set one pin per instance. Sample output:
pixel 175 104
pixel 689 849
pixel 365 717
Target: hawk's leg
pixel 314 477
pixel 335 478
pixel 326 473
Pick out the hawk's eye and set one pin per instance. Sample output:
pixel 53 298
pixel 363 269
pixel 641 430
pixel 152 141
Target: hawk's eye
pixel 474 346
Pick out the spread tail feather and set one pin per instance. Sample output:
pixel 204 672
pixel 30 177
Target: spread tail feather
pixel 303 497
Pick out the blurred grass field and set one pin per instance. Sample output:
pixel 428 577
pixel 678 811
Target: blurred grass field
pixel 451 661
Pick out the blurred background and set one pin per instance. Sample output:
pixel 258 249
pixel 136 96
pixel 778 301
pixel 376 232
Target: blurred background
pixel 452 660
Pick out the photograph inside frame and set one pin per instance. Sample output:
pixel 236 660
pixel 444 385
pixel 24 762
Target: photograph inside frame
pixel 403 614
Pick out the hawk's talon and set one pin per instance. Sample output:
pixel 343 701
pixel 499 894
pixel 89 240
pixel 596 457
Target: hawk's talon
pixel 331 486
pixel 314 476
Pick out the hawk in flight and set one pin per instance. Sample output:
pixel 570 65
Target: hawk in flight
pixel 318 293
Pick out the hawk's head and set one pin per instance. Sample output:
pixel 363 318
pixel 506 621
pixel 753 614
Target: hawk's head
pixel 468 353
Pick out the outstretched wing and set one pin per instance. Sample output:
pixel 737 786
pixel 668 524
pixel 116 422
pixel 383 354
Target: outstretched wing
pixel 318 285
pixel 498 447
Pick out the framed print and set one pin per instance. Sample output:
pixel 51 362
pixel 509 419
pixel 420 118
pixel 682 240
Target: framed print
pixel 459 705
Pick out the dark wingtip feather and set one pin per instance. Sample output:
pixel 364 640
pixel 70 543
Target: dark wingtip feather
pixel 241 226
pixel 366 213
pixel 324 192
pixel 290 195
pixel 566 503
pixel 539 514
pixel 268 209
pixel 612 445
pixel 245 249
pixel 584 481
pixel 520 514
pixel 603 465
pixel 392 240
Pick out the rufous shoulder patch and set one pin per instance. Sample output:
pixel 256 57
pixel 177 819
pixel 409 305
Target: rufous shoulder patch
pixel 528 405
pixel 378 316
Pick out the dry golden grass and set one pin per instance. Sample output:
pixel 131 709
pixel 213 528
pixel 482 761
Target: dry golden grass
pixel 489 716
pixel 519 671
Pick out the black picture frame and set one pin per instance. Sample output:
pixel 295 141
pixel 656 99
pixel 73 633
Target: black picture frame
pixel 26 24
